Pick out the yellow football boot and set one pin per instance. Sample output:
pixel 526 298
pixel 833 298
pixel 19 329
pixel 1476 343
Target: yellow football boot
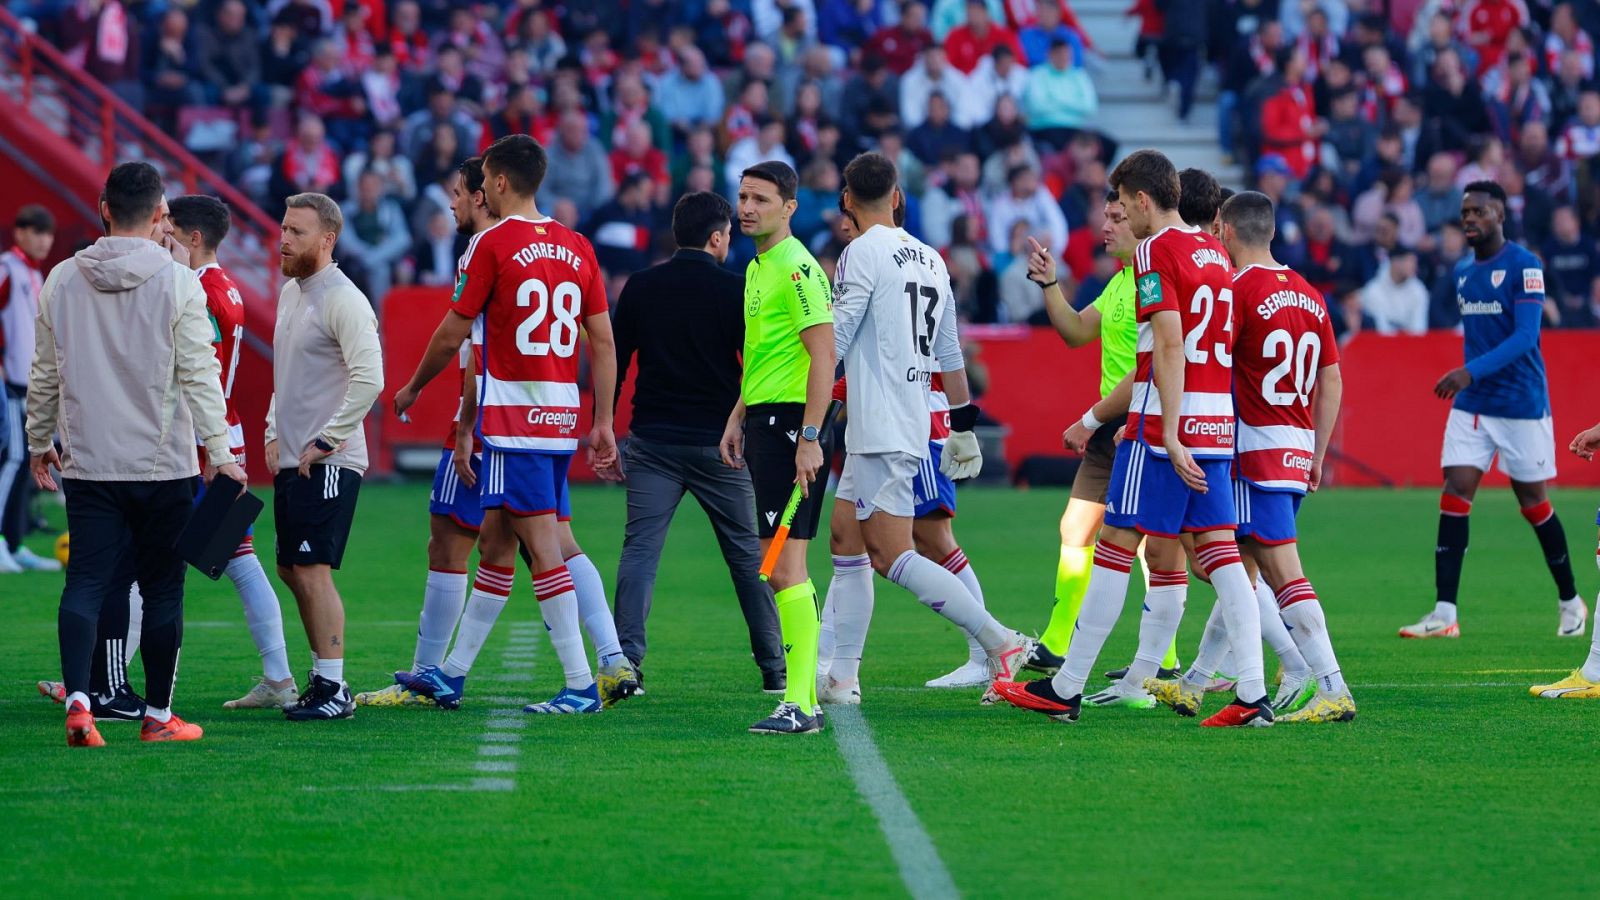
pixel 1572 687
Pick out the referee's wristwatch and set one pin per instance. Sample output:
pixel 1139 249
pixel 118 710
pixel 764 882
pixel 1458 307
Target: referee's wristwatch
pixel 810 433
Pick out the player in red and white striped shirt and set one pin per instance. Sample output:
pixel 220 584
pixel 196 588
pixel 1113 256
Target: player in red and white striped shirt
pixel 1172 473
pixel 200 223
pixel 1287 386
pixel 535 283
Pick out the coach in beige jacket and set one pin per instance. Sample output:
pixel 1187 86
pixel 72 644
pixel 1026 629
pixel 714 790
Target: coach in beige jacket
pixel 327 373
pixel 124 371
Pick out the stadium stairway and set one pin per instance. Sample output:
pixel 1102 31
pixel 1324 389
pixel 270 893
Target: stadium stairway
pixel 61 132
pixel 1140 112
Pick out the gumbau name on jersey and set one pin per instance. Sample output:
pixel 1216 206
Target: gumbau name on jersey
pixel 563 419
pixel 1222 431
pixel 1480 307
pixel 910 254
pixel 1282 300
pixel 1206 256
pixel 542 250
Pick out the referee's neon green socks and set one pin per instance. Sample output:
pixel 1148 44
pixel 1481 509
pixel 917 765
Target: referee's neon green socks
pixel 1072 581
pixel 797 618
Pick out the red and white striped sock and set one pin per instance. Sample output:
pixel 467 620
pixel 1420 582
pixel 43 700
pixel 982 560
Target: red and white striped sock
pixel 558 604
pixel 1163 613
pixel 1102 606
pixel 489 595
pixel 957 562
pixel 1302 611
pixel 1240 612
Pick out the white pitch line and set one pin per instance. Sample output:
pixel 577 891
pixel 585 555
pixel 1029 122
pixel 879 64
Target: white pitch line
pixel 921 869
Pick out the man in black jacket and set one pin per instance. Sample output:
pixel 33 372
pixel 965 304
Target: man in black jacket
pixel 684 320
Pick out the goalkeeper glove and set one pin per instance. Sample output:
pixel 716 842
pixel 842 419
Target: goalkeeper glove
pixel 962 458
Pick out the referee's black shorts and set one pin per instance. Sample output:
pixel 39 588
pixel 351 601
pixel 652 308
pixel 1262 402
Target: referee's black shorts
pixel 313 515
pixel 1094 472
pixel 771 432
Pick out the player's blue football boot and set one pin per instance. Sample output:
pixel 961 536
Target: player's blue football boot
pixel 433 683
pixel 568 701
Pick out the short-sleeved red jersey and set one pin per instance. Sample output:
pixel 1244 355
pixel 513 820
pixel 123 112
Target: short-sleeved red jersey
pixel 226 308
pixel 1285 339
pixel 1187 271
pixel 533 282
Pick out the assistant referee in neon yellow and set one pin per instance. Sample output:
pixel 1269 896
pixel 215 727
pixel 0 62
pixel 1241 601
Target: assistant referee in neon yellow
pixel 775 427
pixel 1111 320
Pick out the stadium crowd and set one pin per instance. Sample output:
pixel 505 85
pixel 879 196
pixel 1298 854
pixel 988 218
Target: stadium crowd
pixel 1366 117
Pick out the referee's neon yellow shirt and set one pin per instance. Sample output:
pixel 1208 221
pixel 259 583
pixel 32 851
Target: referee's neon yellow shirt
pixel 1119 330
pixel 785 292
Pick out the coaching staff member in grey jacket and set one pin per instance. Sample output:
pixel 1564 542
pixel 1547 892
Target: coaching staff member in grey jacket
pixel 123 369
pixel 327 371
pixel 684 321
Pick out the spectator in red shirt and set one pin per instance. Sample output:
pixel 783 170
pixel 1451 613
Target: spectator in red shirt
pixel 966 44
pixel 410 42
pixel 1289 124
pixel 524 114
pixel 637 154
pixel 1485 25
pixel 900 45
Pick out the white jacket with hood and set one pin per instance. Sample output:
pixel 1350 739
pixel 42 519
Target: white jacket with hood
pixel 123 367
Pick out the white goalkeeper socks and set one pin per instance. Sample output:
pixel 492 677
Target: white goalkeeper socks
pixel 942 592
pixel 850 601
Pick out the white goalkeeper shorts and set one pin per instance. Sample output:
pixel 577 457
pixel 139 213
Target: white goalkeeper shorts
pixel 879 482
pixel 1526 447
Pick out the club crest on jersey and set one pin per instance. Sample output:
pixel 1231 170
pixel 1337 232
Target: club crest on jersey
pixel 1149 289
pixel 794 276
pixel 1497 277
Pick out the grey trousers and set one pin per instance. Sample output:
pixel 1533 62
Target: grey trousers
pixel 658 475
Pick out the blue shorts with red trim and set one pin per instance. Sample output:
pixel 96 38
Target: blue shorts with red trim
pixel 525 484
pixel 453 498
pixel 1267 516
pixel 1146 494
pixel 932 489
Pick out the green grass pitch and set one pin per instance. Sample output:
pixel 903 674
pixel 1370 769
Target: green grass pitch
pixel 1453 781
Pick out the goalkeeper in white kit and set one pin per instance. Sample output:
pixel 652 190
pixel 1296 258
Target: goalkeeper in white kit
pixel 894 325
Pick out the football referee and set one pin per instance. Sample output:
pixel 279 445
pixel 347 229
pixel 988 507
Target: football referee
pixel 684 321
pixel 1111 320
pixel 123 368
pixel 776 425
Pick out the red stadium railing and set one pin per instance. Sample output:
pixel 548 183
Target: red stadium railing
pixel 109 131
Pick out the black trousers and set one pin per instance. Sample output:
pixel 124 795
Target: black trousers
pixel 109 519
pixel 658 477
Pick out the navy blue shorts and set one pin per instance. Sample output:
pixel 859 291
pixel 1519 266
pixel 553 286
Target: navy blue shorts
pixel 451 497
pixel 932 489
pixel 525 484
pixel 1146 494
pixel 1267 516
